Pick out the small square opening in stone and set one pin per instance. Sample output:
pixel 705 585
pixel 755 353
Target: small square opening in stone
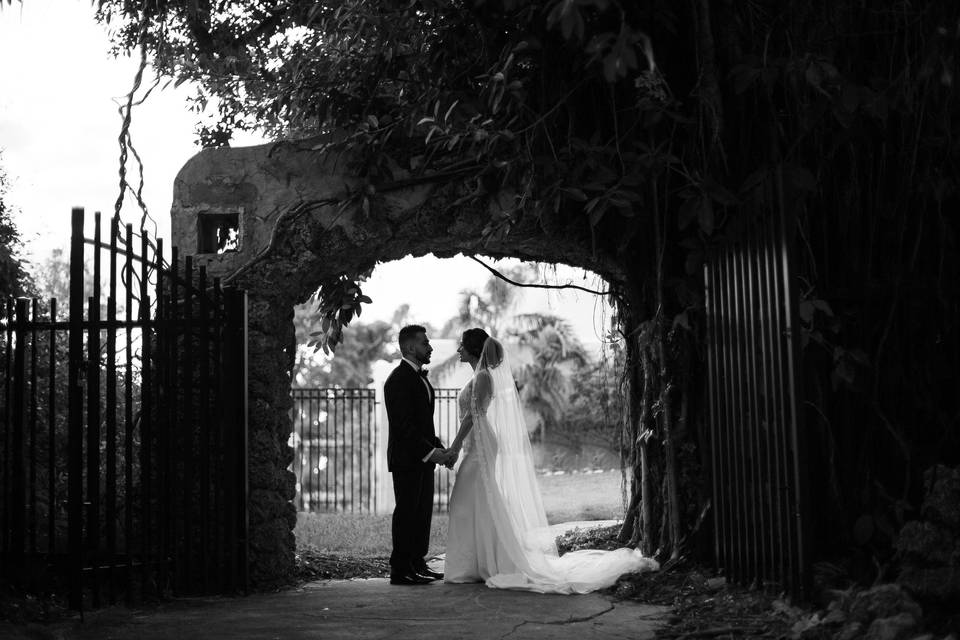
pixel 218 232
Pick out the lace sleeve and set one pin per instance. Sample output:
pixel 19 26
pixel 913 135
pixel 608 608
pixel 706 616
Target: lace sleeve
pixel 482 392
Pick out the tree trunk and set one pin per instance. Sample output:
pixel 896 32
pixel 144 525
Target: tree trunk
pixel 672 506
pixel 636 411
pixel 642 442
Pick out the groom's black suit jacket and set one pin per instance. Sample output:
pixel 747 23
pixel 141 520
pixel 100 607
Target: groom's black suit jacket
pixel 410 420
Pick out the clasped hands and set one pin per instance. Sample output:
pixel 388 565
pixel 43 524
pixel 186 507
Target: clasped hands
pixel 445 457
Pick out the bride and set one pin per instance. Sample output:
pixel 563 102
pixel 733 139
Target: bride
pixel 498 530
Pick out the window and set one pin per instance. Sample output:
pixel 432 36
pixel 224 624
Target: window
pixel 218 232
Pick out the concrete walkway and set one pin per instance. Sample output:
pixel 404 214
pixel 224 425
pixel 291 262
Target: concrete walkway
pixel 373 608
pixel 369 609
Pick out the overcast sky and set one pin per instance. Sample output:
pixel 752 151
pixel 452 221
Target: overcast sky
pixel 59 89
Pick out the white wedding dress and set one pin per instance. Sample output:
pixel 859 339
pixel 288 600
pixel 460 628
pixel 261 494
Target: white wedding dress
pixel 498 531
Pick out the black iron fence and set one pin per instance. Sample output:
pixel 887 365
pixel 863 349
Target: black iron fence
pixel 335 438
pixel 758 491
pixel 124 428
pixel 340 442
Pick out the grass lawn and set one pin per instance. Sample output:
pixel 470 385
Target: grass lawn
pixel 566 498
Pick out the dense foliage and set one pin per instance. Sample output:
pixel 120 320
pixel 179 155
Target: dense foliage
pixel 363 344
pixel 14 280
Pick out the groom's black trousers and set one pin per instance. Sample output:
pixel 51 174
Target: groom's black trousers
pixel 413 491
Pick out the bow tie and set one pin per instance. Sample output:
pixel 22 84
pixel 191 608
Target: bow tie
pixel 423 373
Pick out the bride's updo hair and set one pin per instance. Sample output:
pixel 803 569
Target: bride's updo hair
pixel 472 340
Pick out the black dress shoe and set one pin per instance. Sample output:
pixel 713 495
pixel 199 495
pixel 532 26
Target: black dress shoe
pixel 429 573
pixel 409 578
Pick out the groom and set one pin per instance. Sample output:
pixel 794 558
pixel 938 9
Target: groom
pixel 413 450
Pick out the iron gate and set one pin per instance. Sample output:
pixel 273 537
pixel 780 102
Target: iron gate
pixel 124 433
pixel 756 454
pixel 339 442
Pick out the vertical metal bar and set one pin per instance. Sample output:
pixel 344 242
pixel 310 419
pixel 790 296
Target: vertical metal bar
pixel 173 431
pixel 34 343
pixel 313 426
pixel 359 405
pixel 784 391
pixel 52 469
pixel 799 574
pixel 371 449
pixel 165 544
pixel 220 401
pixel 306 443
pixel 749 416
pixel 440 493
pixel 75 411
pixel 351 442
pixel 759 493
pixel 203 426
pixel 776 401
pixel 733 463
pixel 297 447
pixel 710 316
pixel 749 543
pixel 374 489
pixel 303 404
pixel 7 423
pixel 330 424
pixel 301 444
pixel 767 416
pixel 18 472
pixel 336 451
pixel 757 402
pixel 111 411
pixel 235 363
pixel 94 530
pixel 93 443
pixel 341 449
pixel 316 453
pixel 723 350
pixel 243 394
pixel 228 414
pixel 312 444
pixel 723 421
pixel 128 491
pixel 781 391
pixel 356 408
pixel 187 428
pixel 743 529
pixel 329 469
pixel 145 422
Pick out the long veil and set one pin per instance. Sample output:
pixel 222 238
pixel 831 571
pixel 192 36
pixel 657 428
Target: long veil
pixel 510 484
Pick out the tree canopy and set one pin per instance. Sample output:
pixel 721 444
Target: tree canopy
pixel 525 107
pixel 14 279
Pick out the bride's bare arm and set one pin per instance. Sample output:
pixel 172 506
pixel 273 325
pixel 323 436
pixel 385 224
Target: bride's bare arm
pixel 483 389
pixel 466 423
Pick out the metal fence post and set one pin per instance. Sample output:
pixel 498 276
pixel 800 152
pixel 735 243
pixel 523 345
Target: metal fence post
pixel 18 479
pixel 75 413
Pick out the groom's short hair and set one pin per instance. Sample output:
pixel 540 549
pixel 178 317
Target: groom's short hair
pixel 408 333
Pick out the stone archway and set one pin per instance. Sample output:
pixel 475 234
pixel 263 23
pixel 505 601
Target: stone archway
pixel 280 206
